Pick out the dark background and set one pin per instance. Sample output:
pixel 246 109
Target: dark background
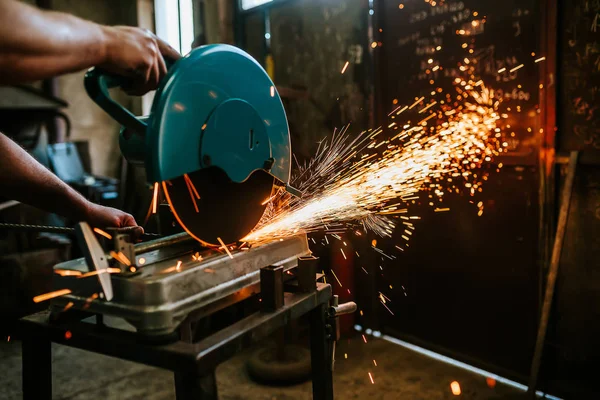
pixel 468 286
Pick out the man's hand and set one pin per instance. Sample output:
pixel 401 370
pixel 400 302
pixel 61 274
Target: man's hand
pixel 37 44
pixel 138 54
pixel 106 217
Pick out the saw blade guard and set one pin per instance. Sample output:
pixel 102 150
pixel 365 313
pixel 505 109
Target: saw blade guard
pixel 215 107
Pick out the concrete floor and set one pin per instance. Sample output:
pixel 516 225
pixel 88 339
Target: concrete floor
pixel 399 374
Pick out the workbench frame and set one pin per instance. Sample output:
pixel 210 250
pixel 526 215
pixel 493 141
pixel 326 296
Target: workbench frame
pixel 193 364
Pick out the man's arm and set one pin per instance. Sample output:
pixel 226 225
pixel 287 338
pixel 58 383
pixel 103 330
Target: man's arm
pixel 23 178
pixel 37 44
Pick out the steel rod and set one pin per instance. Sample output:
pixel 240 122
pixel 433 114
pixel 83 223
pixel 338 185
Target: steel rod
pixel 57 229
pixel 553 271
pixel 162 242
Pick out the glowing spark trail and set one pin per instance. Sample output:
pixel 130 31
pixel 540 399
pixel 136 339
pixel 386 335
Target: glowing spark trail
pixel 102 233
pixel 102 271
pixel 345 66
pixel 155 198
pixel 223 246
pixel 51 295
pixel 67 272
pixel 356 180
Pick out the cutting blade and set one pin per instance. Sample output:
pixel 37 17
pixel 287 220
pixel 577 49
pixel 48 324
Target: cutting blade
pixel 213 208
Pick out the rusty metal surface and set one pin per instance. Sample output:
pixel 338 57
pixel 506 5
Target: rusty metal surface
pixel 310 42
pixel 159 297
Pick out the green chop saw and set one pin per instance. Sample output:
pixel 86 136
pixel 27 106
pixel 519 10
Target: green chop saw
pixel 216 140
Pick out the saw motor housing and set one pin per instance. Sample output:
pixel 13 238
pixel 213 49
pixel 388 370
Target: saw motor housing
pixel 216 107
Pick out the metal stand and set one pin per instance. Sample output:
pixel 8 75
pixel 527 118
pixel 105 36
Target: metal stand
pixel 37 367
pixel 193 364
pixel 322 374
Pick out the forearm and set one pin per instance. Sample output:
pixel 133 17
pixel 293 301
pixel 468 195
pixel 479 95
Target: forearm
pixel 23 178
pixel 36 44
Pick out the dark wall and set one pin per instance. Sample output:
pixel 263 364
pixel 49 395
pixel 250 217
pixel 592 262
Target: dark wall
pixel 579 99
pixel 468 286
pixel 573 348
pixel 311 41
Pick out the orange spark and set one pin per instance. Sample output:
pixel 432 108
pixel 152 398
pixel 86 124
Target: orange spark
pixel 364 338
pixel 455 386
pixel 225 247
pixel 68 335
pixel 345 66
pixel 51 295
pixel 342 250
pixel 101 232
pixel 89 300
pixel 540 59
pixel 155 198
pixel 67 272
pixel 120 257
pixel 269 199
pixel 192 191
pixel 336 278
pixel 69 305
pixel 371 378
pixel 427 119
pixel 102 271
pixel 415 103
pixel 517 67
pixel 428 107
pixel 189 181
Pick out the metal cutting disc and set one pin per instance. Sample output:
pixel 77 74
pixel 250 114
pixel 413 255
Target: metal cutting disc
pixel 210 206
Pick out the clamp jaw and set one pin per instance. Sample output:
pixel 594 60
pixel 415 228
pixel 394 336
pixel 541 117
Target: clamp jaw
pixel 97 259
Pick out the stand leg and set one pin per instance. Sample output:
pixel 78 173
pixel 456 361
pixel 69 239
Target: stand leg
pixel 322 376
pixel 37 368
pixel 190 386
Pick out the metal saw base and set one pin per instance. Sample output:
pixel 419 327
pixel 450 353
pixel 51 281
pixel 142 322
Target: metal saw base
pixel 193 363
pixel 157 298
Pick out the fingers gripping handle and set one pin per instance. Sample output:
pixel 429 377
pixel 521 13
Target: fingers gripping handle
pixel 97 82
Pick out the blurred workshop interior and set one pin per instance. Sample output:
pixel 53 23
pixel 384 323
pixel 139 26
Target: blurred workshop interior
pixel 351 199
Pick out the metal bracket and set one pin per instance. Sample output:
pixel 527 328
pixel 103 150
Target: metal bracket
pixel 271 288
pixel 122 244
pixel 333 322
pixel 307 273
